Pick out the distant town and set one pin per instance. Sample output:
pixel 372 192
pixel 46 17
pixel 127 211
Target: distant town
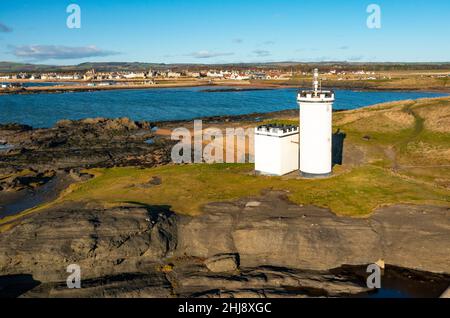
pixel 117 76
pixel 92 75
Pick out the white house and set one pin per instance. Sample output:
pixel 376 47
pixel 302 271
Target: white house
pixel 214 74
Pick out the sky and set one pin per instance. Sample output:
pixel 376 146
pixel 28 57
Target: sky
pixel 224 31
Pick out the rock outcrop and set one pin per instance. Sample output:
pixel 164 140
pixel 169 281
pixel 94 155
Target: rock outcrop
pixel 27 179
pixel 222 263
pixel 95 142
pixel 102 242
pixel 33 157
pixel 232 249
pixel 279 233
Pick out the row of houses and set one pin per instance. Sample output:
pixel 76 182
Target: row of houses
pixel 10 85
pixel 150 74
pixel 43 76
pixel 211 74
pixel 248 75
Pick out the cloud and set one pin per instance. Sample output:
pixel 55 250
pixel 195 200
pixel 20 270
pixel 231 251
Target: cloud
pixel 355 58
pixel 208 54
pixel 344 47
pixel 238 41
pixel 58 52
pixel 4 28
pixel 312 49
pixel 261 53
pixel 268 43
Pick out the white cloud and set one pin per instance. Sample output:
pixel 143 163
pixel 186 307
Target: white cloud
pixel 355 58
pixel 261 53
pixel 58 52
pixel 208 54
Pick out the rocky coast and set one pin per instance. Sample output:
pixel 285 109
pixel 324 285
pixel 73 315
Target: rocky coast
pixel 263 245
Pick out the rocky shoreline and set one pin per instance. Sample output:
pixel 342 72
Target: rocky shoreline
pixel 37 155
pixel 352 85
pixel 262 246
pixel 255 247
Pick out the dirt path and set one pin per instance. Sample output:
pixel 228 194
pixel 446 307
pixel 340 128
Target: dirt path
pixel 392 151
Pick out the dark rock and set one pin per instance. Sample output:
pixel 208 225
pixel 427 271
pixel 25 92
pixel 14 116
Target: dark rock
pixel 129 285
pixel 280 249
pixel 26 179
pixel 56 142
pixel 87 143
pixel 46 243
pixel 12 286
pixel 15 127
pixel 79 176
pixel 262 282
pixel 154 181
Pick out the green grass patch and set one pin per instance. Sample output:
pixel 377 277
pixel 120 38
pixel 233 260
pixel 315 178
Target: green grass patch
pixel 186 188
pixel 280 122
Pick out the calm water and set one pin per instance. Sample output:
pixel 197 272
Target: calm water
pixel 45 84
pixel 44 110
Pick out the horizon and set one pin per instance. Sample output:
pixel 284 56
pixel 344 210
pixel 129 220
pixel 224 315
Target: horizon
pixel 237 63
pixel 223 32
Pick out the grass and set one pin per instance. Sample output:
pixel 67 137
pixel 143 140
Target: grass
pixel 186 188
pixel 280 122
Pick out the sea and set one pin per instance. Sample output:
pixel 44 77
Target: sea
pixel 44 110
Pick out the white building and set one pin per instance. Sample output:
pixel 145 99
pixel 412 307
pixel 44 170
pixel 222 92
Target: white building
pixel 214 74
pixel 276 149
pixel 134 75
pixel 193 74
pixel 65 77
pixel 316 107
pixel 239 77
pixel 173 74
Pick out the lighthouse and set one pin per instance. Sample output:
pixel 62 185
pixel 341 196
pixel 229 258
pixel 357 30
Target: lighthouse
pixel 316 108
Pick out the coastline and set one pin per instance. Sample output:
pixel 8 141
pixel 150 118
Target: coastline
pixel 245 85
pixel 115 185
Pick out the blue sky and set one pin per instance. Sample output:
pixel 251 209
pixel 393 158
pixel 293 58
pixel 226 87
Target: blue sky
pixel 224 31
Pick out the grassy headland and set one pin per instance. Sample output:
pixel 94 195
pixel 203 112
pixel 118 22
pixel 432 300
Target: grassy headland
pixel 186 188
pixel 393 153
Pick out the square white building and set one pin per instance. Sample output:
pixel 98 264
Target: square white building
pixel 276 149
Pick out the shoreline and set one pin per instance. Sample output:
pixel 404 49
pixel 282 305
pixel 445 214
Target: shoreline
pixel 245 85
pixel 127 184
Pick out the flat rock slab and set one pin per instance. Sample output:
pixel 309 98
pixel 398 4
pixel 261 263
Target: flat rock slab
pixel 222 263
pixel 280 233
pixel 276 233
pixel 102 242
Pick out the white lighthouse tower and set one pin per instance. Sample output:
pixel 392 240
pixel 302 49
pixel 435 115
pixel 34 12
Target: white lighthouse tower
pixel 316 107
